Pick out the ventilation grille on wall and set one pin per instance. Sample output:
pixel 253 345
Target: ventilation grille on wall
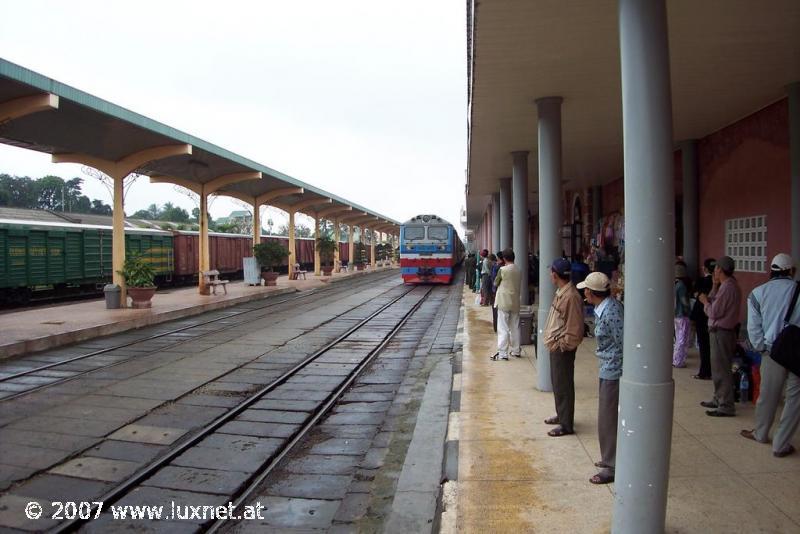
pixel 746 243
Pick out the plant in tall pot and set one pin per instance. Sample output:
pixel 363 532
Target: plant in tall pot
pixel 139 280
pixel 360 254
pixel 327 248
pixel 269 255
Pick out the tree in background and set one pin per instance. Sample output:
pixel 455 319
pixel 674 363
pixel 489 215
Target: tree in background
pixel 169 213
pixel 48 193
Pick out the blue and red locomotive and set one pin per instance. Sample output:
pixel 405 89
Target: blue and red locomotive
pixel 430 249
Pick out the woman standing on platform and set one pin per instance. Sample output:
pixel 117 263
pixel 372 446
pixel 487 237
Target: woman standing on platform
pixel 681 318
pixel 608 331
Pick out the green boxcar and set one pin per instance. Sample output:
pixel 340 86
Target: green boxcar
pixel 39 256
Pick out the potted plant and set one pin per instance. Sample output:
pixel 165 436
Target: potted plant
pixel 360 254
pixel 327 247
pixel 269 255
pixel 139 280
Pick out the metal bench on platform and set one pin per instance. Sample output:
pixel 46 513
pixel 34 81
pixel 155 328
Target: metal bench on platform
pixel 297 272
pixel 212 279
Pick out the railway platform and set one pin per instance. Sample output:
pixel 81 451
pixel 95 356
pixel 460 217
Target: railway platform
pixel 42 328
pixel 512 477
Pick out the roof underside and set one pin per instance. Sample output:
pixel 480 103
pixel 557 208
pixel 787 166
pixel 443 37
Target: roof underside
pixel 729 58
pixel 88 125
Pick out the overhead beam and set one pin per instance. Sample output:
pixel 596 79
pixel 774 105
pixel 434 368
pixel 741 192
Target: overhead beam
pixel 333 211
pixel 26 105
pixel 310 203
pixel 124 166
pixel 278 193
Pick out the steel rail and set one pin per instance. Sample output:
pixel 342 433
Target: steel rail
pixel 150 469
pixel 148 338
pixel 257 479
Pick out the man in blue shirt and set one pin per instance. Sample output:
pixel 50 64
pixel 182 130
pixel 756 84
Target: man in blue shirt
pixel 608 332
pixel 766 311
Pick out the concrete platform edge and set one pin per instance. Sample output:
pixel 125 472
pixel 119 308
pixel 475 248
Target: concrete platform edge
pixel 416 499
pixel 49 342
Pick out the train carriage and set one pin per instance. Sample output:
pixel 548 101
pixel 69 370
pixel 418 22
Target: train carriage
pixel 430 249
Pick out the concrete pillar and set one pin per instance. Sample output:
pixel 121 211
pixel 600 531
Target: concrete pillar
pixel 336 237
pixel 204 254
pixel 646 388
pixel 519 194
pixel 317 263
pixel 496 222
pixel 118 238
pixel 505 213
pixel 292 246
pixel 256 224
pixel 794 156
pixel 691 193
pixel 550 219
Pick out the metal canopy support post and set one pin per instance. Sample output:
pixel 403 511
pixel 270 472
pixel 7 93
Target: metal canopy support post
pixel 496 222
pixel 350 246
pixel 373 262
pixel 646 388
pixel 550 218
pixel 336 237
pixel 691 231
pixel 204 254
pixel 317 263
pixel 505 212
pixel 519 194
pixel 794 156
pixel 256 223
pixel 292 245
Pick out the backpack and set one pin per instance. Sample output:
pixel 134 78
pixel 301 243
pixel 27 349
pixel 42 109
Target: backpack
pixel 786 348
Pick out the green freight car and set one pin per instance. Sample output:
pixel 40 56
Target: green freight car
pixel 43 259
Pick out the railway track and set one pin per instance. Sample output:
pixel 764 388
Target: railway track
pixel 51 370
pixel 357 347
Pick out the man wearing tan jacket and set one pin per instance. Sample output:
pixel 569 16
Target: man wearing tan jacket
pixel 563 333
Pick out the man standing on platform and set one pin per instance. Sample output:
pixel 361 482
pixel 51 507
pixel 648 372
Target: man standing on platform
pixel 608 332
pixel 722 307
pixel 563 333
pixel 507 281
pixel 767 309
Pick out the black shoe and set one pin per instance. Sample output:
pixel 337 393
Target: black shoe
pixel 701 377
pixel 709 404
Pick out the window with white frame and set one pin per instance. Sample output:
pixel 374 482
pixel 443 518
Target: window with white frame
pixel 746 243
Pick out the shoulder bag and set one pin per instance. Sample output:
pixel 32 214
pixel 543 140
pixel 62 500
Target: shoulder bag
pixel 786 348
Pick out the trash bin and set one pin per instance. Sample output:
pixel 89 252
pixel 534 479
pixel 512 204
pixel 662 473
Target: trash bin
pixel 526 325
pixel 112 293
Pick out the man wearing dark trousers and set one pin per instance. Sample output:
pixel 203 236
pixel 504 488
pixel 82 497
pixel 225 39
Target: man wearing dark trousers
pixel 722 307
pixel 562 334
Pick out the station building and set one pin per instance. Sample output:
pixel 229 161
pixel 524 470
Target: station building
pixel 634 132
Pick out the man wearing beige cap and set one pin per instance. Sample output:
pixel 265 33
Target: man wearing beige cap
pixel 608 333
pixel 767 308
pixel 722 307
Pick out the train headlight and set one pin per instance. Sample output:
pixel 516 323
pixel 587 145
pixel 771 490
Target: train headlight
pixel 442 247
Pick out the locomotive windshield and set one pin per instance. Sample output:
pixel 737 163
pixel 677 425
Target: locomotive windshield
pixel 438 233
pixel 412 233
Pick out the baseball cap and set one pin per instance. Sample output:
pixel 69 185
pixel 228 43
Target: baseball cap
pixel 561 267
pixel 782 262
pixel 595 282
pixel 726 263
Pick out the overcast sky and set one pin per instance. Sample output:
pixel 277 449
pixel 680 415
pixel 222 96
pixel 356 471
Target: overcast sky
pixel 365 99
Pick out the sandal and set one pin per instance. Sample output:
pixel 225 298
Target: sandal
pixel 601 465
pixel 495 356
pixel 785 452
pixel 558 432
pixel 551 420
pixel 751 434
pixel 602 478
pixel 701 377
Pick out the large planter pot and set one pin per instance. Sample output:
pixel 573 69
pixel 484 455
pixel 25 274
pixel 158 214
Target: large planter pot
pixel 141 296
pixel 327 270
pixel 270 278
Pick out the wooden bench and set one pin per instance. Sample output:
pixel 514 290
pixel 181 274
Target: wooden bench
pixel 297 272
pixel 211 278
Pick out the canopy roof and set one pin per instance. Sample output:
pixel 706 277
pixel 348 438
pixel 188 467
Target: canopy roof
pixel 729 58
pixel 82 123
